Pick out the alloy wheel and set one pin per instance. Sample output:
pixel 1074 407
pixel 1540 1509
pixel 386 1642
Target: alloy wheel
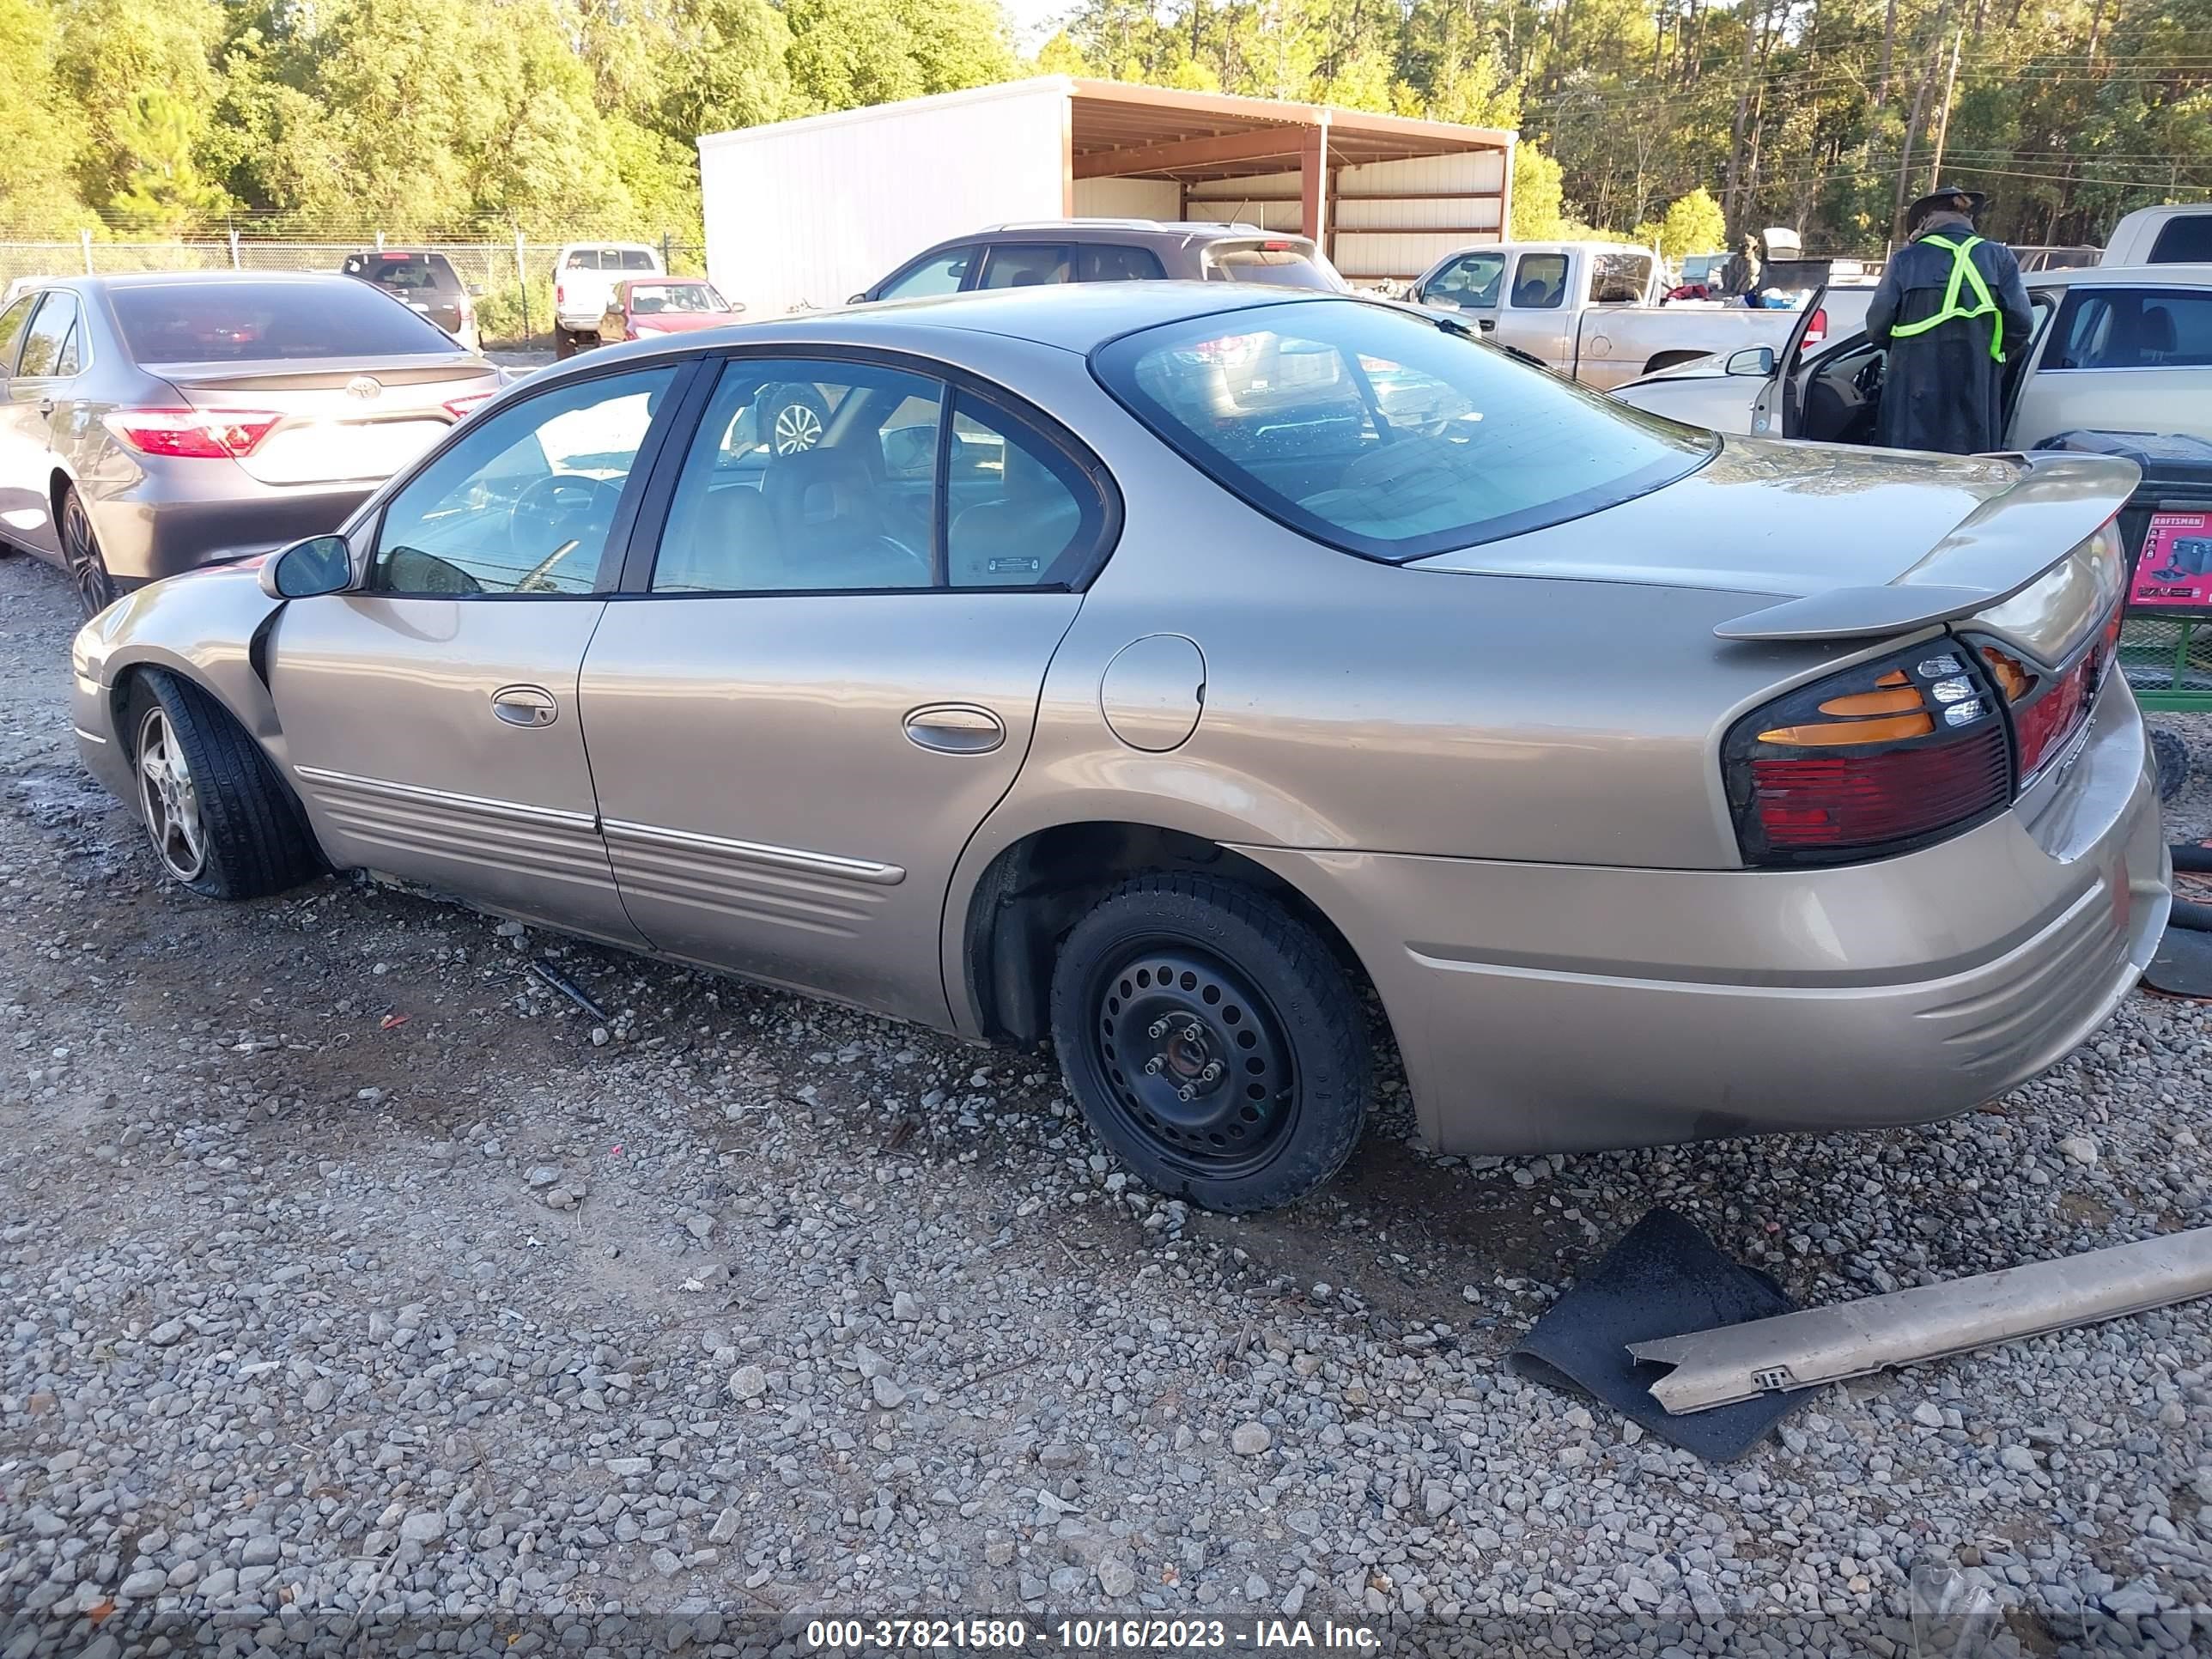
pixel 87 570
pixel 170 802
pixel 1193 1058
pixel 797 428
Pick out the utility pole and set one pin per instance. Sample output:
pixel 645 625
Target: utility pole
pixel 1944 117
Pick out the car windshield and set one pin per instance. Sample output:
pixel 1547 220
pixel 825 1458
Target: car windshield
pixel 652 299
pixel 260 322
pixel 1384 432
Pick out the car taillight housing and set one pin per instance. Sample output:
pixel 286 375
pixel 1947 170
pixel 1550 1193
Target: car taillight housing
pixel 1815 332
pixel 2049 708
pixel 1879 759
pixel 211 435
pixel 460 407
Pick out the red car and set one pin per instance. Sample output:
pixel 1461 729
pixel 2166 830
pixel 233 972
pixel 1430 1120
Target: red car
pixel 646 306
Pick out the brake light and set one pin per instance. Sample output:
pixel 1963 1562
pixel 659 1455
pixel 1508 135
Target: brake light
pixel 211 435
pixel 560 293
pixel 1875 760
pixel 459 407
pixel 1816 330
pixel 2047 709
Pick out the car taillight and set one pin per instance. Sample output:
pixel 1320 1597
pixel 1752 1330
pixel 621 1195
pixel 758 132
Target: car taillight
pixel 2048 709
pixel 1815 332
pixel 1873 761
pixel 560 293
pixel 211 435
pixel 458 407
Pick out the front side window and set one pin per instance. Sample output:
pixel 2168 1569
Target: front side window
pixel 939 273
pixel 2133 328
pixel 43 342
pixel 1470 281
pixel 759 510
pixel 525 503
pixel 1540 283
pixel 11 330
pixel 1025 265
pixel 1385 433
pixel 655 299
pixel 1620 279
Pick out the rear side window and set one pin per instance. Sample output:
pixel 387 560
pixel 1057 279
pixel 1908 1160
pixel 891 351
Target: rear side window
pixel 1619 279
pixel 1103 262
pixel 631 258
pixel 1383 433
pixel 2184 241
pixel 2133 328
pixel 269 322
pixel 49 333
pixel 1275 263
pixel 1023 264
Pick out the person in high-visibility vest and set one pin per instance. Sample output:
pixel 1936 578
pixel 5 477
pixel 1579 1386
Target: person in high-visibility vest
pixel 1954 314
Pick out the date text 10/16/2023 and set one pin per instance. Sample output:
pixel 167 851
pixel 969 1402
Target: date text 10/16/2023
pixel 1085 1635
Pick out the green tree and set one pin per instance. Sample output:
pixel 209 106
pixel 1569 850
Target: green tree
pixel 1693 223
pixel 163 191
pixel 40 133
pixel 1539 205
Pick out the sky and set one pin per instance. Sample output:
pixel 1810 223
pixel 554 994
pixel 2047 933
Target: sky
pixel 1034 20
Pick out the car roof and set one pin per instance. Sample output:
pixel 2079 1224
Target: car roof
pixel 2166 275
pixel 200 278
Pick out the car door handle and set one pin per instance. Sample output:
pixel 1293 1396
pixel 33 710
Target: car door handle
pixel 525 705
pixel 46 405
pixel 955 728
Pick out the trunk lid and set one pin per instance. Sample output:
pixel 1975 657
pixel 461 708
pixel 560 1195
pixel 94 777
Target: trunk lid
pixel 1846 542
pixel 339 419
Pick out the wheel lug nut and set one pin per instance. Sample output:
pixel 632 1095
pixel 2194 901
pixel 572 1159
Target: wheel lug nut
pixel 1186 1093
pixel 1154 1066
pixel 1213 1071
pixel 1194 1033
pixel 1159 1029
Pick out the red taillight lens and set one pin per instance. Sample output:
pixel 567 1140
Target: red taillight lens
pixel 1876 759
pixel 1816 330
pixel 458 407
pixel 2048 709
pixel 211 435
pixel 560 293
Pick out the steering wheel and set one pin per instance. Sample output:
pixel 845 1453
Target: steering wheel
pixel 563 507
pixel 1868 382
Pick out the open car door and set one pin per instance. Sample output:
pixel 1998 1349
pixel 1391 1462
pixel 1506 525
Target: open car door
pixel 1779 410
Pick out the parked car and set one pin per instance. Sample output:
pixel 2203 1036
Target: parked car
pixel 2048 256
pixel 2114 348
pixel 584 278
pixel 641 307
pixel 2162 236
pixel 1046 251
pixel 423 279
pixel 1590 310
pixel 154 423
pixel 1112 669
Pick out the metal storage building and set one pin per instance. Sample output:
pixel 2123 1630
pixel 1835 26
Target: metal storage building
pixel 807 212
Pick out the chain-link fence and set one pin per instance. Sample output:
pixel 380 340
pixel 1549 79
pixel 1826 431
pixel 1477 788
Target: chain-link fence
pixel 512 280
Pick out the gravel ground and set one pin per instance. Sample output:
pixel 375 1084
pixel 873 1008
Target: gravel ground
pixel 355 1282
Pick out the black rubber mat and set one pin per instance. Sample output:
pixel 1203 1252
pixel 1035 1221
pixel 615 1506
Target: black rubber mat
pixel 2182 966
pixel 1664 1279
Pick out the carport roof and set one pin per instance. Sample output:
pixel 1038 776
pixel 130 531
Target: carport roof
pixel 1121 130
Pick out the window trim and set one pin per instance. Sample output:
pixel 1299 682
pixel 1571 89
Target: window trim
pixel 652 520
pixel 613 553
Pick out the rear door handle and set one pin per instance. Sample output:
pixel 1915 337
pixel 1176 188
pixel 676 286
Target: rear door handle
pixel 955 728
pixel 525 705
pixel 46 405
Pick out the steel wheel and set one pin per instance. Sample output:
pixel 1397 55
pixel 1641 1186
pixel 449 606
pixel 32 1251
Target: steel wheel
pixel 1194 1057
pixel 797 428
pixel 167 798
pixel 87 570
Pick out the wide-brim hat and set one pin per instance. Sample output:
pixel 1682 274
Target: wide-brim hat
pixel 1976 201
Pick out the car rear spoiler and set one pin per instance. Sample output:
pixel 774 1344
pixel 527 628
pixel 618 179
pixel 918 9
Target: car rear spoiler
pixel 2058 500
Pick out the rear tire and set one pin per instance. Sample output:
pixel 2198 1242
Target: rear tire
pixel 82 557
pixel 1213 1041
pixel 566 345
pixel 221 821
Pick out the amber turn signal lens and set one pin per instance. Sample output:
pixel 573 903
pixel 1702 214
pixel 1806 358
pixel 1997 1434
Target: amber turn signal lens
pixel 1874 702
pixel 2013 679
pixel 1889 730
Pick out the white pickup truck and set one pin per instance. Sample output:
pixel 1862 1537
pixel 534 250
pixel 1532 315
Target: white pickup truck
pixel 1591 311
pixel 584 278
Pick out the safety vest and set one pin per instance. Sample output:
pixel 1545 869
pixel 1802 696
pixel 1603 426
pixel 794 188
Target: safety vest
pixel 1962 272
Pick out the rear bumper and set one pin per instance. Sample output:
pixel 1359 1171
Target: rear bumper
pixel 1547 1007
pixel 172 522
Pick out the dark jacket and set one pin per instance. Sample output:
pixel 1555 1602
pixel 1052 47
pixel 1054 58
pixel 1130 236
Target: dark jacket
pixel 1942 390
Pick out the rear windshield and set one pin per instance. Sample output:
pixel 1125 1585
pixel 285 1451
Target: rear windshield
pixel 652 298
pixel 265 322
pixel 1278 264
pixel 1384 432
pixel 410 270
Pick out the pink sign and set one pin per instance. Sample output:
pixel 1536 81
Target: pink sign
pixel 2174 569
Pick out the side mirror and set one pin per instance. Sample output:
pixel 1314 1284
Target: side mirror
pixel 735 306
pixel 1755 361
pixel 858 299
pixel 321 564
pixel 477 290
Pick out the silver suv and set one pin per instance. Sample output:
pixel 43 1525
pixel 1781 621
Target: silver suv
pixel 1050 251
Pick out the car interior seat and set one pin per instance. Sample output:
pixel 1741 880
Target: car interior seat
pixel 1014 540
pixel 826 511
pixel 726 544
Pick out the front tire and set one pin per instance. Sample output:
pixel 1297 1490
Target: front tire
pixel 1213 1041
pixel 82 557
pixel 222 822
